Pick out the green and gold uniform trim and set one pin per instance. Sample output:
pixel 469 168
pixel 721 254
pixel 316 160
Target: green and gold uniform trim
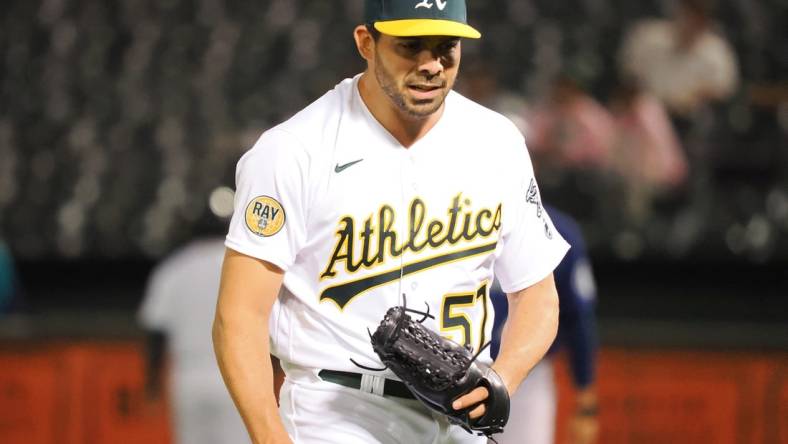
pixel 418 18
pixel 451 321
pixel 369 245
pixel 342 294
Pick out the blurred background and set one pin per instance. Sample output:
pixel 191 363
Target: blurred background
pixel 660 126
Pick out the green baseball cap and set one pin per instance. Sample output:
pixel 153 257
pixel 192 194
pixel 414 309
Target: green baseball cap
pixel 414 18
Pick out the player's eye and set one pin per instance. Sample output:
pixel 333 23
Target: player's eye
pixel 449 45
pixel 411 46
pixel 447 48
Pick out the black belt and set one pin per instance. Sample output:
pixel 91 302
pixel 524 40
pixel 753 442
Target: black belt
pixel 353 380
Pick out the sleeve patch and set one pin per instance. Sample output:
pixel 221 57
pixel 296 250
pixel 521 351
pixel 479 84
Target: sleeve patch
pixel 265 216
pixel 532 197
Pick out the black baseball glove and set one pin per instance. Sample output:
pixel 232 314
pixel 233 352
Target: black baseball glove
pixel 437 371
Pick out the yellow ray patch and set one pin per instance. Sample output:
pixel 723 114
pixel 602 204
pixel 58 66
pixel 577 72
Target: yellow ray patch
pixel 265 216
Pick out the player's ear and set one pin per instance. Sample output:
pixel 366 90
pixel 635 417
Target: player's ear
pixel 365 43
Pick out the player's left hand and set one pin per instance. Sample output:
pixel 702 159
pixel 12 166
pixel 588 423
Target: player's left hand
pixel 584 426
pixel 475 396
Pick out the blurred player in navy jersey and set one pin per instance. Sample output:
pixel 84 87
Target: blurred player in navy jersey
pixel 533 409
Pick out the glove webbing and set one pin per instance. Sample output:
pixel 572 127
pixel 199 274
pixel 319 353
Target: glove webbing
pixel 436 372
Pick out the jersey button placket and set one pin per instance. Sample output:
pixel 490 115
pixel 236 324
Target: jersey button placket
pixel 409 192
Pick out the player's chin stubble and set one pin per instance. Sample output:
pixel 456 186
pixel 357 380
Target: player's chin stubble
pixel 389 86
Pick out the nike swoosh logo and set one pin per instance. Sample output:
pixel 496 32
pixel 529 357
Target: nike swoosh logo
pixel 339 168
pixel 343 293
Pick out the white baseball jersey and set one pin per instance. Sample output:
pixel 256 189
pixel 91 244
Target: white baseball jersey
pixel 356 220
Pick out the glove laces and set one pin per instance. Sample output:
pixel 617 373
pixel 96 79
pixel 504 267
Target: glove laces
pixel 425 315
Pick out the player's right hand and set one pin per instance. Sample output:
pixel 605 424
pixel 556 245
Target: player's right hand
pixel 474 397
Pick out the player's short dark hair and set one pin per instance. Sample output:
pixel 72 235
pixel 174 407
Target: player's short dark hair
pixel 374 32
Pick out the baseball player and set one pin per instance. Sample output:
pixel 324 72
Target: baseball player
pixel 179 303
pixel 533 406
pixel 389 190
pixel 11 298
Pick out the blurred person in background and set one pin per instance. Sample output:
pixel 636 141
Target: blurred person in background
pixel 690 67
pixel 9 288
pixel 177 312
pixel 480 82
pixel 646 153
pixel 533 406
pixel 570 129
pixel 683 61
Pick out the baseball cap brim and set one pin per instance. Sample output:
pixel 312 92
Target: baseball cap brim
pixel 422 27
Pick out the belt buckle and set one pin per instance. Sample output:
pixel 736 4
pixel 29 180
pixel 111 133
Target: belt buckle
pixel 373 384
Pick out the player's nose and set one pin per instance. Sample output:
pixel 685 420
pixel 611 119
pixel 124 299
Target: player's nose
pixel 430 63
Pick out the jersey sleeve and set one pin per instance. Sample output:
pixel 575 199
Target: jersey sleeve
pixel 532 247
pixel 269 219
